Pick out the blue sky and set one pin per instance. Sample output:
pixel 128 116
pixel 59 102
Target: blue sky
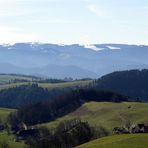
pixel 74 21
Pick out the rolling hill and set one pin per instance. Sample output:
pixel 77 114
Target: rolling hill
pixel 119 141
pixel 10 78
pixel 49 71
pixel 5 85
pixel 133 83
pixel 104 114
pixel 107 114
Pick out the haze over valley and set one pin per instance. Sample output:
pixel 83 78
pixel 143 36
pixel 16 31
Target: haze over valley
pixel 60 61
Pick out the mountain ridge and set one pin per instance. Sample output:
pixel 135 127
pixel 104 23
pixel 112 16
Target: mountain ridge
pixel 50 71
pixel 95 59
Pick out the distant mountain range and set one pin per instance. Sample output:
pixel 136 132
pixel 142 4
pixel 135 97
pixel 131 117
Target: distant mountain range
pixel 49 71
pixel 77 61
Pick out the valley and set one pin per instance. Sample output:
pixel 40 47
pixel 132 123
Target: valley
pixel 71 105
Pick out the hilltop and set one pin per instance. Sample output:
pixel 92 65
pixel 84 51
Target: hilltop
pixel 133 83
pixel 107 114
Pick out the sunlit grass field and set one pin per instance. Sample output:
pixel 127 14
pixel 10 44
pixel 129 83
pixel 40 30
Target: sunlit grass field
pixel 50 85
pixel 4 112
pixel 119 141
pixel 108 114
pixel 5 78
pixel 10 140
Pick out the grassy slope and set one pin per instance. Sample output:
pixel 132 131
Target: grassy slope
pixel 10 140
pixel 119 141
pixel 66 84
pixel 4 137
pixel 4 112
pixel 107 114
pixel 6 78
pixel 50 85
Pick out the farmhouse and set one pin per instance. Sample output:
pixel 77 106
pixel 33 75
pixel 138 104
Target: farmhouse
pixel 2 127
pixel 23 134
pixel 15 129
pixel 140 128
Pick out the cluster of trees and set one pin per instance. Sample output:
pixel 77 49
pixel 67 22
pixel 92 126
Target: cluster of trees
pixel 60 106
pixel 30 93
pixel 67 135
pixel 133 83
pixel 27 94
pixel 61 80
pixel 51 81
pixel 18 81
pixel 43 111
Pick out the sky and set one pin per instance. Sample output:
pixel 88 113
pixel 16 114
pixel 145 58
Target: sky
pixel 74 21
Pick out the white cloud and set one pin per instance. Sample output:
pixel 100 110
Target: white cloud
pixel 11 8
pixel 12 35
pixel 94 9
pixel 100 11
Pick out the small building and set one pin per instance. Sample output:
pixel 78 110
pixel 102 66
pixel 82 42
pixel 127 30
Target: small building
pixel 24 134
pixel 140 128
pixel 2 127
pixel 16 128
pixel 22 126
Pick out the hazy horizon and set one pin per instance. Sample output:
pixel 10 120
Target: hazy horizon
pixel 67 44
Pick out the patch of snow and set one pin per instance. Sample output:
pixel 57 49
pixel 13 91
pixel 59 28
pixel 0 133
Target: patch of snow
pixel 141 45
pixel 10 48
pixel 6 45
pixel 93 47
pixel 113 48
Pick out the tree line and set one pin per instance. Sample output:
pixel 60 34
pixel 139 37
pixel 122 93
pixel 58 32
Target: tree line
pixel 19 96
pixel 133 83
pixel 47 111
pixel 67 134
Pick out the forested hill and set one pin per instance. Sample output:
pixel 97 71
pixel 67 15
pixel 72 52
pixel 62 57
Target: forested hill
pixel 133 83
pixel 31 94
pixel 19 96
pixel 60 106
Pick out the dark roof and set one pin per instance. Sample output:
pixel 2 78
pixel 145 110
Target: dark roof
pixel 27 133
pixel 146 129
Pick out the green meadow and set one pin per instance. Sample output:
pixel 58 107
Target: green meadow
pixel 119 141
pixel 5 79
pixel 107 114
pixel 9 141
pixel 4 112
